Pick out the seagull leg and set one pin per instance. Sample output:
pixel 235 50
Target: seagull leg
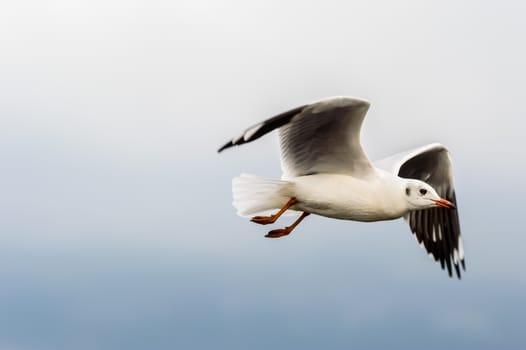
pixel 285 231
pixel 265 220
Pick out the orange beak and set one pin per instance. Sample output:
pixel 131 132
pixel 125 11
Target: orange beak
pixel 444 203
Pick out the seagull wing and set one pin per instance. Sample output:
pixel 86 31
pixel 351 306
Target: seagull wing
pixel 437 229
pixel 322 137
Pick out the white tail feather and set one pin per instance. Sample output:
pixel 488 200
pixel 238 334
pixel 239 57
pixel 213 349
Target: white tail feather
pixel 254 195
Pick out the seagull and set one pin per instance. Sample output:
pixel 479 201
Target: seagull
pixel 326 172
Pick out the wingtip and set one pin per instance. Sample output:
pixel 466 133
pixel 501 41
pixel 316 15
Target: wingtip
pixel 225 146
pixel 457 270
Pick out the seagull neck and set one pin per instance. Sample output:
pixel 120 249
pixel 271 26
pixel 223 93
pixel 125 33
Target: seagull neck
pixel 394 190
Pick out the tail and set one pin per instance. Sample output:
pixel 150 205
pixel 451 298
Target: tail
pixel 255 195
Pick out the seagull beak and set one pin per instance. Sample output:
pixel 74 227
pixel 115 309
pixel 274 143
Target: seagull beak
pixel 444 203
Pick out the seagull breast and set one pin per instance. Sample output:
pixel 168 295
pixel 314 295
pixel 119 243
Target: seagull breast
pixel 350 198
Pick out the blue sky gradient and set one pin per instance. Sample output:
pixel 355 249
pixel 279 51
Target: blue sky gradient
pixel 117 225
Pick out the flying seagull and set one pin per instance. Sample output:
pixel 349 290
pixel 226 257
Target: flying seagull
pixel 326 172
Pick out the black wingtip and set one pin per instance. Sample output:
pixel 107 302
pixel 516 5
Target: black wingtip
pixel 449 268
pixel 225 146
pixel 457 270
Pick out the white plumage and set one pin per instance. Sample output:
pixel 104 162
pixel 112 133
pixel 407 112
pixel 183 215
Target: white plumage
pixel 326 172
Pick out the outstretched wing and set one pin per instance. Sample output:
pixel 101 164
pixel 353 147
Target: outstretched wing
pixel 323 137
pixel 437 229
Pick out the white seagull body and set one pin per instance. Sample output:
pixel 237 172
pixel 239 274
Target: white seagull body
pixel 326 172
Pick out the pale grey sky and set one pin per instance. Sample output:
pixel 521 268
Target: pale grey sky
pixel 117 226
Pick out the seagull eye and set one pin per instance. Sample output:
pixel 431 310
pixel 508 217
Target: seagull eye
pixel 423 191
pixel 407 191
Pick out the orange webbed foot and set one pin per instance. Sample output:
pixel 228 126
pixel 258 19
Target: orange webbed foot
pixel 285 231
pixel 264 220
pixel 280 232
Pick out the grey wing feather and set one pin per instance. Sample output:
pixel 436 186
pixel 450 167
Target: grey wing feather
pixel 325 138
pixel 322 137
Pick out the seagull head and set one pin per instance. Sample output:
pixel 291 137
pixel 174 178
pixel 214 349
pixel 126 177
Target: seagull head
pixel 420 195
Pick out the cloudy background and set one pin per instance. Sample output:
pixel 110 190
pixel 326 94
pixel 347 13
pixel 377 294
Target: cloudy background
pixel 116 225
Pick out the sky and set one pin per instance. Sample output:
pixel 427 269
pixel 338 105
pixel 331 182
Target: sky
pixel 115 208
